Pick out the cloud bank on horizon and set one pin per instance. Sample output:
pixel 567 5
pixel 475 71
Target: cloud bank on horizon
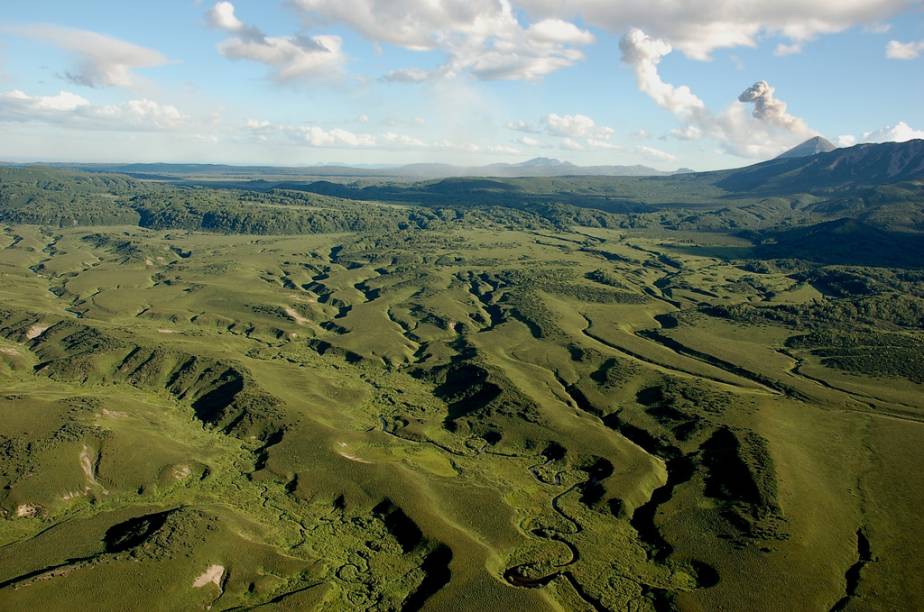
pixel 342 77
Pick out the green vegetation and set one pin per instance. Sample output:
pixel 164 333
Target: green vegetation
pixel 478 396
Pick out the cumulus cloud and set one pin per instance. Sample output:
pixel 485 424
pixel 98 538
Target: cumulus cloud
pixel 319 137
pixel 310 135
pixel 481 37
pixel 904 51
pixel 288 57
pixel 72 110
pixel 222 16
pixel 339 138
pixel 576 132
pixel 765 131
pixel 576 126
pixel 644 54
pixel 102 61
pixel 529 141
pixel 900 132
pixel 699 27
pixel 846 140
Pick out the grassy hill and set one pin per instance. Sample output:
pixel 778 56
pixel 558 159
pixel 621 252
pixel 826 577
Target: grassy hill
pixel 538 394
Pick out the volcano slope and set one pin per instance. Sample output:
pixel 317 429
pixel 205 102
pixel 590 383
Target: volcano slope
pixel 454 419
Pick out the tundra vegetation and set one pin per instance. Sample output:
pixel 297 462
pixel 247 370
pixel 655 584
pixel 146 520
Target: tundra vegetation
pixel 698 392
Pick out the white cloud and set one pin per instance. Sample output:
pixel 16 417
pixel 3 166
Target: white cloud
pixel 222 16
pixel 784 49
pixel 644 54
pixel 481 37
pixel 462 147
pixel 688 132
pixel 402 140
pixel 408 75
pixel 319 137
pixel 288 57
pixel 142 113
pixel 846 140
pixel 578 128
pixel 900 132
pixel 576 132
pixel 337 138
pixel 72 110
pixel 310 135
pixel 523 126
pixel 879 28
pixel 596 143
pixel 699 27
pixel 570 125
pixel 28 106
pixel 102 60
pixel 768 130
pixel 561 32
pixel 656 154
pixel 904 51
pixel 503 150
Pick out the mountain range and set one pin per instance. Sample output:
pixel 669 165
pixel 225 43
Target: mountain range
pixel 540 167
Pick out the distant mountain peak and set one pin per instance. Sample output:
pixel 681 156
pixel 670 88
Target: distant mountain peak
pixel 812 146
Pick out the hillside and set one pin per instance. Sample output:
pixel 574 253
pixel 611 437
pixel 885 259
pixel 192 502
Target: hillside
pixel 855 167
pixel 444 394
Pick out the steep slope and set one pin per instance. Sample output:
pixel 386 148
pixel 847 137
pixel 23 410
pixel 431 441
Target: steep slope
pixel 860 166
pixel 845 241
pixel 812 146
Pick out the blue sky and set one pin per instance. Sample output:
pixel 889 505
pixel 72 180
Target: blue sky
pixel 299 82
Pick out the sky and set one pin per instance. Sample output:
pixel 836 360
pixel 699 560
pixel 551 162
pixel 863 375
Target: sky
pixel 701 84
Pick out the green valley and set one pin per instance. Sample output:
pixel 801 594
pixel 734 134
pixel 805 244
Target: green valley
pixel 690 392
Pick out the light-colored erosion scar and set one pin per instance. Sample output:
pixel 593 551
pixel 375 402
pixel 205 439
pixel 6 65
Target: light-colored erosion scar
pixel 343 453
pixel 9 351
pixel 71 495
pixel 35 331
pixel 353 458
pixel 295 316
pixel 212 575
pixel 28 511
pixel 88 465
pixel 168 331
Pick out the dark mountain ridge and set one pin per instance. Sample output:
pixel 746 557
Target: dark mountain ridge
pixel 858 166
